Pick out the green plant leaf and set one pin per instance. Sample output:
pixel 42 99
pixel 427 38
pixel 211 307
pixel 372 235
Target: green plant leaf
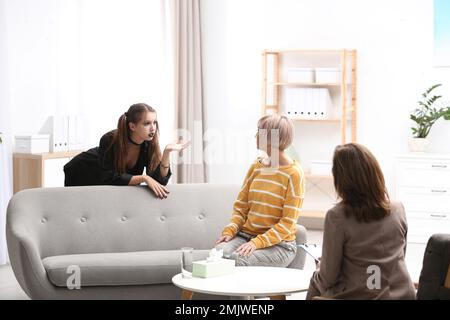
pixel 427 114
pixel 446 114
pixel 432 88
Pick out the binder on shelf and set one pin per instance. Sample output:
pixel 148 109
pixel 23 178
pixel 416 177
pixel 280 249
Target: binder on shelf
pixel 66 132
pixel 309 107
pixel 57 134
pixel 73 143
pixel 318 108
pixel 80 131
pixel 291 102
pixel 308 103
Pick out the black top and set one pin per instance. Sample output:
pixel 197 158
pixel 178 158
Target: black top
pixel 96 167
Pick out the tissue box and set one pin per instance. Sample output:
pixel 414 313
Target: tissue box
pixel 206 269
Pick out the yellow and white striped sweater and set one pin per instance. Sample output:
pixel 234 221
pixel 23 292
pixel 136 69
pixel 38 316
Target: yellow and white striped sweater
pixel 268 204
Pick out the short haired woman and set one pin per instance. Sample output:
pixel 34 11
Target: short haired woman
pixel 364 237
pixel 124 153
pixel 264 221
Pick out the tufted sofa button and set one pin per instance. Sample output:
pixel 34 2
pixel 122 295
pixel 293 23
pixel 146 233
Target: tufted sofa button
pixel 124 219
pixel 43 220
pixel 162 218
pixel 201 216
pixel 83 219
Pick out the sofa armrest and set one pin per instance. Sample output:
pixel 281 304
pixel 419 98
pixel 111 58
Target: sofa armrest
pixel 26 263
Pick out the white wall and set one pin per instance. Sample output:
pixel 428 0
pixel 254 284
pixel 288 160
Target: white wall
pixel 95 57
pixel 394 40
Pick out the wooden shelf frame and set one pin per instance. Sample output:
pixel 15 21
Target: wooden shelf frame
pixel 348 63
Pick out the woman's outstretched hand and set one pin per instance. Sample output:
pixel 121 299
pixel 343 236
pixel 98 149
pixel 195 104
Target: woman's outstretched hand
pixel 178 146
pixel 158 189
pixel 224 239
pixel 246 249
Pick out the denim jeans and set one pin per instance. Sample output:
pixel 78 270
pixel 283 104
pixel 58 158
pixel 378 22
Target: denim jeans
pixel 279 255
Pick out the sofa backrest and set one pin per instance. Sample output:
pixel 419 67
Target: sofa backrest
pixel 94 219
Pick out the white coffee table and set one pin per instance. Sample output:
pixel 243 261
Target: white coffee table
pixel 271 282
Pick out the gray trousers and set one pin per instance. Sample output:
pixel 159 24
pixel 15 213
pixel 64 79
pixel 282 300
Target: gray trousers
pixel 279 255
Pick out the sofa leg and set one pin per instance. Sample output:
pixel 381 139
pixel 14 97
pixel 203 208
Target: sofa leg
pixel 186 295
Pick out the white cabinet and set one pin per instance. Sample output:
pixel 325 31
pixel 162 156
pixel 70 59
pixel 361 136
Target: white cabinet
pixel 423 186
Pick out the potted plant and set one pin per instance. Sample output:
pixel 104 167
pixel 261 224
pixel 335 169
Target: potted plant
pixel 424 117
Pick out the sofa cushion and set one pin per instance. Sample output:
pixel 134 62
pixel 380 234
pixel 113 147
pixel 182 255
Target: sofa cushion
pixel 122 268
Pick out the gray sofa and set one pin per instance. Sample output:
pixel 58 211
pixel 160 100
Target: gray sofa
pixel 125 242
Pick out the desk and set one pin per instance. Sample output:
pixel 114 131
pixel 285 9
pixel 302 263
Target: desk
pixel 38 170
pixel 271 282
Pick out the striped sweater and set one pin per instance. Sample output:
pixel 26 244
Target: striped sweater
pixel 268 204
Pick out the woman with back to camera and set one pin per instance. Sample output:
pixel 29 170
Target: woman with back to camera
pixel 123 154
pixel 364 237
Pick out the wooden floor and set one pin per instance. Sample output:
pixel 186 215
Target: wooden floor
pixel 10 289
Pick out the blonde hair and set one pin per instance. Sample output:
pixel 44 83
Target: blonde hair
pixel 284 126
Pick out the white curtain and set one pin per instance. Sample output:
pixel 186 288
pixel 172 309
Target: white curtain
pixel 5 129
pixel 183 36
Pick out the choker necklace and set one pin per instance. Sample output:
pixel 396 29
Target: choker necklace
pixel 136 144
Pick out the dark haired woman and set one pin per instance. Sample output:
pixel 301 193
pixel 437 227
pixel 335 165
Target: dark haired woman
pixel 124 152
pixel 364 237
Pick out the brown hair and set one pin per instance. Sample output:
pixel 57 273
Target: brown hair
pixel 120 138
pixel 359 181
pixel 284 126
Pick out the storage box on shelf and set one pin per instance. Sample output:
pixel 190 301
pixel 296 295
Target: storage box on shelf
pixel 32 143
pixel 317 89
pixel 328 75
pixel 302 75
pixel 423 186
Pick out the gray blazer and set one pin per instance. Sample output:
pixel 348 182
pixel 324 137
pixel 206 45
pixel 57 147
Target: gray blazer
pixel 352 252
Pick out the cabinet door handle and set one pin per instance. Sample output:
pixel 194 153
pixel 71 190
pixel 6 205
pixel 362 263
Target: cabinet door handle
pixel 439 166
pixel 438 191
pixel 438 215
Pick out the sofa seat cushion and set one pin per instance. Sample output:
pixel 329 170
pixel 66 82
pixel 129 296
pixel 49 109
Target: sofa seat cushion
pixel 122 268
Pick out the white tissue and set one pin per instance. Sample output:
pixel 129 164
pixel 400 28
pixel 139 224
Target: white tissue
pixel 214 255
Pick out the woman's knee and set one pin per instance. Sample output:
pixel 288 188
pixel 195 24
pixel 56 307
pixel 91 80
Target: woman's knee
pixel 226 247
